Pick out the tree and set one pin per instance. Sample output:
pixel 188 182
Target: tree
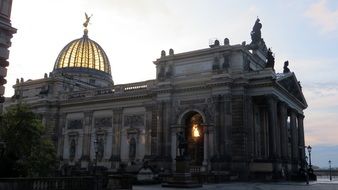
pixel 28 153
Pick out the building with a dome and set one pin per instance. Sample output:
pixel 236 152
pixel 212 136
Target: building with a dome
pixel 240 118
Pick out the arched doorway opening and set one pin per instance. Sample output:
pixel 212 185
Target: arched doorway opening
pixel 194 135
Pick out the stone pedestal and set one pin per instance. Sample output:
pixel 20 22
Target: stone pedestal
pixel 182 177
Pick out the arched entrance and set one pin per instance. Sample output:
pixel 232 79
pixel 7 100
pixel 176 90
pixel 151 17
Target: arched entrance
pixel 194 135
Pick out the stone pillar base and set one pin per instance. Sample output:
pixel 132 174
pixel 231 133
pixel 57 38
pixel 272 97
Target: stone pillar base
pixel 182 180
pixel 182 177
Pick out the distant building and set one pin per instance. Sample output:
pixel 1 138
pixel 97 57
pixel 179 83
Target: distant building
pixel 239 117
pixel 6 34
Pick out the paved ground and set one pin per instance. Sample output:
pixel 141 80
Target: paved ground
pixel 318 185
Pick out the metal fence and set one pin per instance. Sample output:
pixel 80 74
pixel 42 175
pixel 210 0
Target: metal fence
pixel 326 174
pixel 55 183
pixel 109 182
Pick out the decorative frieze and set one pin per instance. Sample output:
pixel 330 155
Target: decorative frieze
pixel 103 122
pixel 194 101
pixel 134 120
pixel 75 124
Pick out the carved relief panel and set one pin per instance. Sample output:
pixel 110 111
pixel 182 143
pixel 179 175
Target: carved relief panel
pixel 74 124
pixel 134 120
pixel 103 122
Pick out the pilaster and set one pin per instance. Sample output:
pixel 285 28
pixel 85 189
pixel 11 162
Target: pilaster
pixel 218 104
pixel 238 131
pixel 163 133
pixel 88 117
pixel 61 128
pixel 117 131
pixel 149 114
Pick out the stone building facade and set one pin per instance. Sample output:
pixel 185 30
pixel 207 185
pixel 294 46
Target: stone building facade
pixel 238 116
pixel 6 34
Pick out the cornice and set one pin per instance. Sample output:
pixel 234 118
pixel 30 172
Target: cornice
pixel 285 92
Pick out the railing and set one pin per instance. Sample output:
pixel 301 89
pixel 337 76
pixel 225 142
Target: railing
pixel 118 90
pixel 105 182
pixel 325 172
pixel 195 169
pixel 56 183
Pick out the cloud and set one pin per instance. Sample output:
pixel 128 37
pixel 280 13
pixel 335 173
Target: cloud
pixel 320 128
pixel 322 16
pixel 321 116
pixel 135 9
pixel 312 70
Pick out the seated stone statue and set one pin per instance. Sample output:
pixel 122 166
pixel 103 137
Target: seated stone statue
pixel 286 69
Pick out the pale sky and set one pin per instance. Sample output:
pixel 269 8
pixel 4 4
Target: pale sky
pixel 133 33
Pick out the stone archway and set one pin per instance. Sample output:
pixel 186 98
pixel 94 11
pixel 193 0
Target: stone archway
pixel 194 135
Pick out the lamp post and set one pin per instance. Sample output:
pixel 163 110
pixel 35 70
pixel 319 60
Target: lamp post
pixel 330 170
pixel 309 148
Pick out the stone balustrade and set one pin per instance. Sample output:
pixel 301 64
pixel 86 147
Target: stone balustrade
pixel 117 90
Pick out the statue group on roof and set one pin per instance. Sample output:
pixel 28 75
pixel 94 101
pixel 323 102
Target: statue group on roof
pixel 256 34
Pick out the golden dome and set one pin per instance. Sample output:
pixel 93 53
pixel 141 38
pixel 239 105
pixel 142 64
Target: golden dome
pixel 83 54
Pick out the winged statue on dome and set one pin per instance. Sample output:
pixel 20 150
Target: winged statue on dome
pixel 85 24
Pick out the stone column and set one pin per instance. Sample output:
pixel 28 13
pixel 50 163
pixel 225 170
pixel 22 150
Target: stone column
pixel 283 117
pixel 294 139
pixel 249 123
pixel 272 120
pixel 301 142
